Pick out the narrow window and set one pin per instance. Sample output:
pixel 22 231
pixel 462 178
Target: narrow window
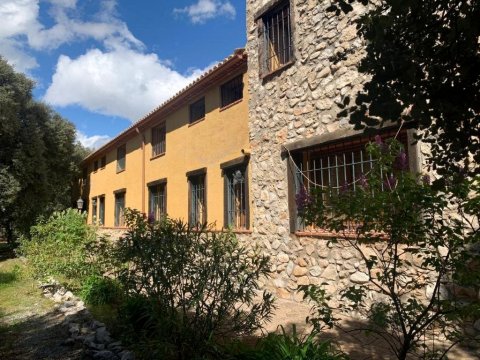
pixel 232 91
pixel 197 205
pixel 157 204
pixel 275 38
pixel 95 165
pixel 103 162
pixel 121 153
pixel 119 209
pixel 236 198
pixel 94 210
pixel 101 211
pixel 158 140
pixel 197 110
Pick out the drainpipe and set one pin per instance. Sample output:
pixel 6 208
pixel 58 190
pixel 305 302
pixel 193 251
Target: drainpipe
pixel 143 168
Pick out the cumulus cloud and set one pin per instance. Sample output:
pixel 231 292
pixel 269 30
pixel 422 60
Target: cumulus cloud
pixel 204 10
pixel 92 142
pixel 120 82
pixel 21 28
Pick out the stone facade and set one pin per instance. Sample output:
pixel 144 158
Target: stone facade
pixel 297 102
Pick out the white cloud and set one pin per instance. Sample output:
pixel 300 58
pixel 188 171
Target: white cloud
pixel 92 142
pixel 120 82
pixel 204 10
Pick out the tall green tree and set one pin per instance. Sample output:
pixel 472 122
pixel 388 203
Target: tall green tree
pixel 39 155
pixel 424 61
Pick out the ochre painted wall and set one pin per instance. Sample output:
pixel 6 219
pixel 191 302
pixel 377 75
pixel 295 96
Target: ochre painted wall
pixel 219 138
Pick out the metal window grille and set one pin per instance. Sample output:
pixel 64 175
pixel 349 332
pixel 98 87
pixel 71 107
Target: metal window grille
pixel 232 91
pixel 237 199
pixel 277 38
pixel 197 201
pixel 121 153
pixel 158 140
pixel 94 211
pixel 197 110
pixel 157 209
pixel 119 209
pixel 101 211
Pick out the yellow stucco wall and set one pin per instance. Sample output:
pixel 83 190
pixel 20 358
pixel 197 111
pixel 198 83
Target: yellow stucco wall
pixel 219 138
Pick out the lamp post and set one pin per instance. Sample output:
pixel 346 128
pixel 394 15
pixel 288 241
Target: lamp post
pixel 80 205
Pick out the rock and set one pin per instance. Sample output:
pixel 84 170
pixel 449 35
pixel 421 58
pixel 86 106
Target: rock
pixel 126 355
pixel 68 296
pixel 104 355
pixel 330 273
pixel 359 278
pixel 74 329
pixel 315 271
pixel 304 280
pixel 102 335
pixel 283 293
pixel 58 298
pixel 69 342
pixel 476 325
pixel 96 324
pixel 299 271
pixel 283 258
pixel 310 249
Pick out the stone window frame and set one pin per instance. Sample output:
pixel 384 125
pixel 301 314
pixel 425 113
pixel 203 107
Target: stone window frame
pixel 270 8
pixel 293 150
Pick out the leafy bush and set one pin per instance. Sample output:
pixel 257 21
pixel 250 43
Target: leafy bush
pixel 60 247
pixel 193 286
pixel 98 290
pixel 285 346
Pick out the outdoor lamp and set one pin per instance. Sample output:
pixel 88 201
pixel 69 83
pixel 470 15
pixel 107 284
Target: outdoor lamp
pixel 80 204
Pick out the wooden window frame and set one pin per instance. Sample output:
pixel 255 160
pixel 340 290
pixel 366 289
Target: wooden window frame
pixel 159 140
pixel 228 169
pixel 193 177
pixel 192 111
pixel 163 211
pixel 119 218
pixel 229 93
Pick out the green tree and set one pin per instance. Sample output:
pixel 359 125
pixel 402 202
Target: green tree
pixel 38 155
pixel 424 61
pixel 419 244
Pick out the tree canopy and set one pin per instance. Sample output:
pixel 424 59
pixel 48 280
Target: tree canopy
pixel 424 61
pixel 39 155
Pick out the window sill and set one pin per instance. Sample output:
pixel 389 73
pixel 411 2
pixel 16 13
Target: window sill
pixel 196 121
pixel 230 105
pixel 269 75
pixel 157 156
pixel 120 171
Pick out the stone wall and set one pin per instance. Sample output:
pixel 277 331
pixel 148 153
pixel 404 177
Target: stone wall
pixel 298 102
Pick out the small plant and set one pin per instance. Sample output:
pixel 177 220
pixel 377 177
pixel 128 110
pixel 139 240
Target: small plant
pixel 99 290
pixel 60 247
pixel 194 286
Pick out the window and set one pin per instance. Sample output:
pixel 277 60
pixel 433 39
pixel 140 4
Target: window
pixel 103 162
pixel 197 209
pixel 119 208
pixel 197 110
pixel 157 203
pixel 236 198
pixel 158 140
pixel 334 166
pixel 275 38
pixel 232 91
pixel 121 153
pixel 95 165
pixel 101 211
pixel 94 211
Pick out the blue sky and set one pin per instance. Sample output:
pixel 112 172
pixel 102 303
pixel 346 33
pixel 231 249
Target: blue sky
pixel 104 64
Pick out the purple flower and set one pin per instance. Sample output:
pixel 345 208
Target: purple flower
pixel 378 140
pixel 426 180
pixel 303 199
pixel 363 181
pixel 390 182
pixel 401 161
pixel 344 188
pixel 151 218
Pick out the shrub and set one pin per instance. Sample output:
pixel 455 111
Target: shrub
pixel 98 290
pixel 59 247
pixel 194 286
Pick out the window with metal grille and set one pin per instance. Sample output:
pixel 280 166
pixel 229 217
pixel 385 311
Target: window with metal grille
pixel 103 162
pixel 232 91
pixel 334 168
pixel 275 38
pixel 197 110
pixel 236 198
pixel 101 210
pixel 119 209
pixel 197 204
pixel 158 140
pixel 121 161
pixel 157 204
pixel 94 210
